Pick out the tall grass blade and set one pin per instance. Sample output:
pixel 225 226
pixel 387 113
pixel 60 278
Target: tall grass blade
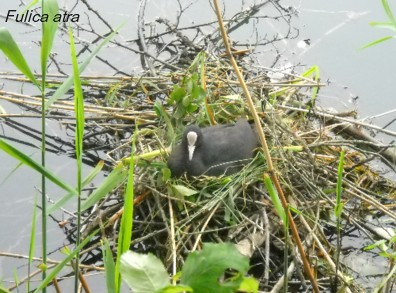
pixel 49 28
pixel 30 5
pixel 275 199
pixel 61 202
pixel 380 40
pixel 379 24
pixel 13 152
pixel 282 214
pixel 388 278
pixel 12 52
pixel 48 31
pixel 391 24
pixel 10 173
pixel 338 207
pixel 79 136
pixel 113 180
pixel 67 84
pixel 4 290
pixel 16 278
pixel 338 210
pixel 109 265
pixel 163 114
pixel 314 70
pixel 32 241
pixel 125 234
pixel 388 11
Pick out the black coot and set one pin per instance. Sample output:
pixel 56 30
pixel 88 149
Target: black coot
pixel 214 150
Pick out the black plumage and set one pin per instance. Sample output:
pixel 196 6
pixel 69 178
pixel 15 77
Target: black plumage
pixel 214 150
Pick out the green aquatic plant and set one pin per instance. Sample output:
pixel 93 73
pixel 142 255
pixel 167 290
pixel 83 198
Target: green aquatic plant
pixel 125 233
pixel 390 25
pixel 204 271
pixel 387 249
pixel 339 206
pixel 11 50
pixel 79 136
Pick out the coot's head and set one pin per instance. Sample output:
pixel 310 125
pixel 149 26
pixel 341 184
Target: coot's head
pixel 192 139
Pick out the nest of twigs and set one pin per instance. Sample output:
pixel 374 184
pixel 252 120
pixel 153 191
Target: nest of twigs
pixel 175 216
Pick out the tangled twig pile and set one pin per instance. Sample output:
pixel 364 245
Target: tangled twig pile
pixel 173 217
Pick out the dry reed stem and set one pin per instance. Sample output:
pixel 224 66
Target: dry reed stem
pixel 172 238
pixel 271 170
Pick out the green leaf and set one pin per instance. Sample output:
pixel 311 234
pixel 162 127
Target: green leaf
pixel 109 265
pixel 379 24
pixel 191 108
pixel 338 209
pixel 380 40
pixel 113 179
pixel 29 6
pixel 79 114
pixel 314 70
pixel 12 52
pixel 9 149
pixel 188 83
pixel 198 61
pixel 194 78
pixel 125 233
pixel 375 245
pixel 94 172
pixel 184 191
pixel 293 148
pixel 186 101
pixel 144 273
pixel 311 71
pixel 204 269
pixel 388 11
pixel 275 199
pixel 180 112
pixel 198 93
pixel 339 206
pixel 78 100
pixel 166 173
pixel 49 28
pixel 177 94
pixel 384 254
pixel 32 238
pixel 2 110
pixel 161 113
pixel 57 205
pixel 174 289
pixel 249 284
pixel 4 290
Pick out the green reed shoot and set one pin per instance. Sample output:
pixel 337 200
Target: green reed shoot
pixel 125 234
pixel 109 266
pixel 32 240
pixel 390 24
pixel 339 206
pixel 11 50
pixel 79 136
pixel 285 221
pixel 49 29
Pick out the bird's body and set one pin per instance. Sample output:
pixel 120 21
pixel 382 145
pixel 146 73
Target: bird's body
pixel 214 150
